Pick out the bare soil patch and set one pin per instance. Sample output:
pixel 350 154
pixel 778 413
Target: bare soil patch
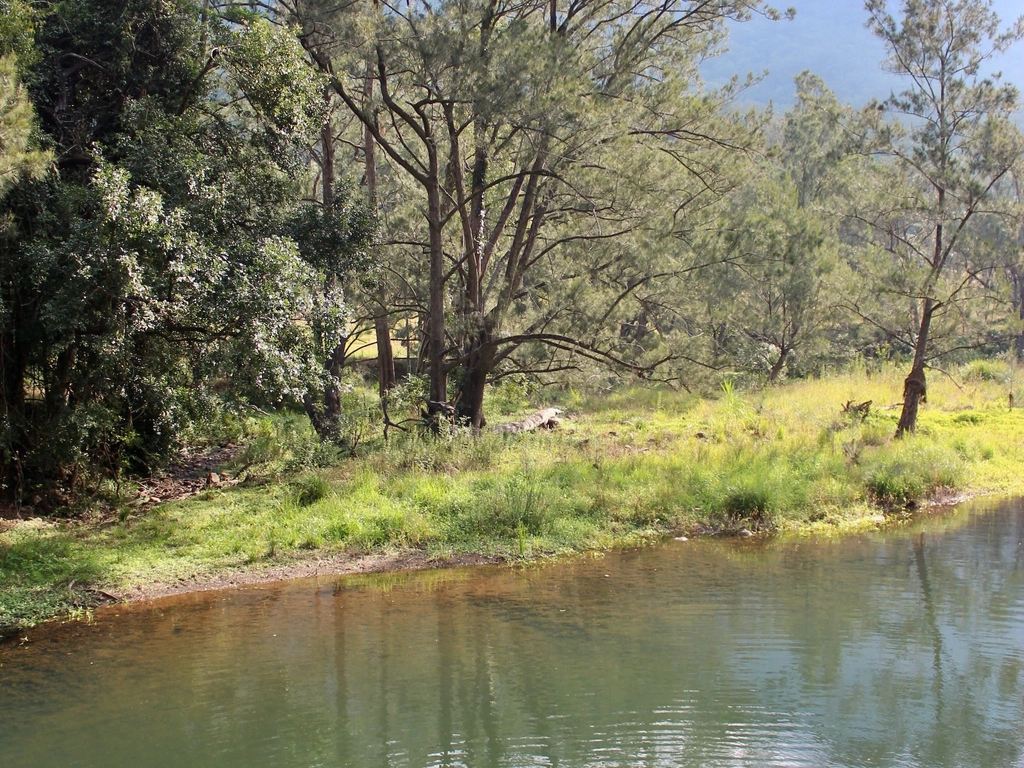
pixel 191 474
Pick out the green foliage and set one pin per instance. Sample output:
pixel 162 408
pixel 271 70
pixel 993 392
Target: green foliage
pixel 18 157
pixel 335 241
pixel 282 443
pixel 767 305
pixel 312 489
pixel 130 50
pixel 956 144
pixel 269 67
pixel 512 395
pixel 776 276
pixel 17 31
pixel 911 471
pixel 630 471
pixel 163 274
pixel 815 147
pixel 986 370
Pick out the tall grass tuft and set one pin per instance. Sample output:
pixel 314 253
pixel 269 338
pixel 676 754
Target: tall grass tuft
pixel 912 470
pixel 311 489
pixel 985 370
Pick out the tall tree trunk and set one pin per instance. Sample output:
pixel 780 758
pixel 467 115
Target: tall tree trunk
pixel 482 327
pixel 435 320
pixel 1017 278
pixel 327 168
pixel 12 377
pixel 386 377
pixel 12 415
pixel 336 362
pixel 477 331
pixel 914 386
pixel 325 419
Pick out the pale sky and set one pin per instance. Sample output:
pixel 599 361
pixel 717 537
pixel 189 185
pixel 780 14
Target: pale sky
pixel 829 38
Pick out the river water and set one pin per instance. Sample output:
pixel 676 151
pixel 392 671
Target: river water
pixel 898 649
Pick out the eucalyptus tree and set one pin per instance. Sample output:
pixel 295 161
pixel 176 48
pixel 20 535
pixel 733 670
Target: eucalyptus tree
pixel 955 143
pixel 534 135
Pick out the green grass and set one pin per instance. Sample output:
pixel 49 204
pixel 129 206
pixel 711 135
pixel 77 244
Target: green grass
pixel 625 468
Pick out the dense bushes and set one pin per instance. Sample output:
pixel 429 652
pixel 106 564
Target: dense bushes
pixel 166 269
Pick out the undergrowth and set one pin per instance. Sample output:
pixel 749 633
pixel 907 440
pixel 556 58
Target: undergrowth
pixel 624 468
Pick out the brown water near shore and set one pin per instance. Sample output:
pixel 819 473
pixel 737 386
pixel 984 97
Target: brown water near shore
pixel 903 648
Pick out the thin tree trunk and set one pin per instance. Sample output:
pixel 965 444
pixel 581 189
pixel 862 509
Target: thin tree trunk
pixel 12 413
pixel 12 377
pixel 337 356
pixel 327 168
pixel 325 420
pixel 332 397
pixel 386 377
pixel 435 320
pixel 915 390
pixel 57 396
pixel 478 330
pixel 914 386
pixel 1018 299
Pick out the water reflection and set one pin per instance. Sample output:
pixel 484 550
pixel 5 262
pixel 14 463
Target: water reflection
pixel 897 650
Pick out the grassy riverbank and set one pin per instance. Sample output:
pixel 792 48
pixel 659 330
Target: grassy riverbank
pixel 625 468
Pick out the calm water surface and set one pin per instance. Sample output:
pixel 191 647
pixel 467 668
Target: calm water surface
pixel 902 649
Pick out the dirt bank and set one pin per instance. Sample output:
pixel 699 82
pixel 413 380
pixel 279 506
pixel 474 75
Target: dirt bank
pixel 317 564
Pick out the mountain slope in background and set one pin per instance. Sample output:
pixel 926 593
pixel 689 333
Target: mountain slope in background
pixel 829 38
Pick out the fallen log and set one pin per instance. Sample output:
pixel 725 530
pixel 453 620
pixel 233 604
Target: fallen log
pixel 857 410
pixel 548 419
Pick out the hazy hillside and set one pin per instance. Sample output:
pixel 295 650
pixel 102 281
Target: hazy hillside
pixel 829 38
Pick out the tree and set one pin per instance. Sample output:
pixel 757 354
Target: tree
pixel 533 135
pixel 773 295
pixel 815 146
pixel 1007 238
pixel 18 157
pixel 956 145
pixel 166 263
pixel 780 259
pixel 19 153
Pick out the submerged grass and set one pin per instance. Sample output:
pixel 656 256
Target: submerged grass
pixel 625 468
